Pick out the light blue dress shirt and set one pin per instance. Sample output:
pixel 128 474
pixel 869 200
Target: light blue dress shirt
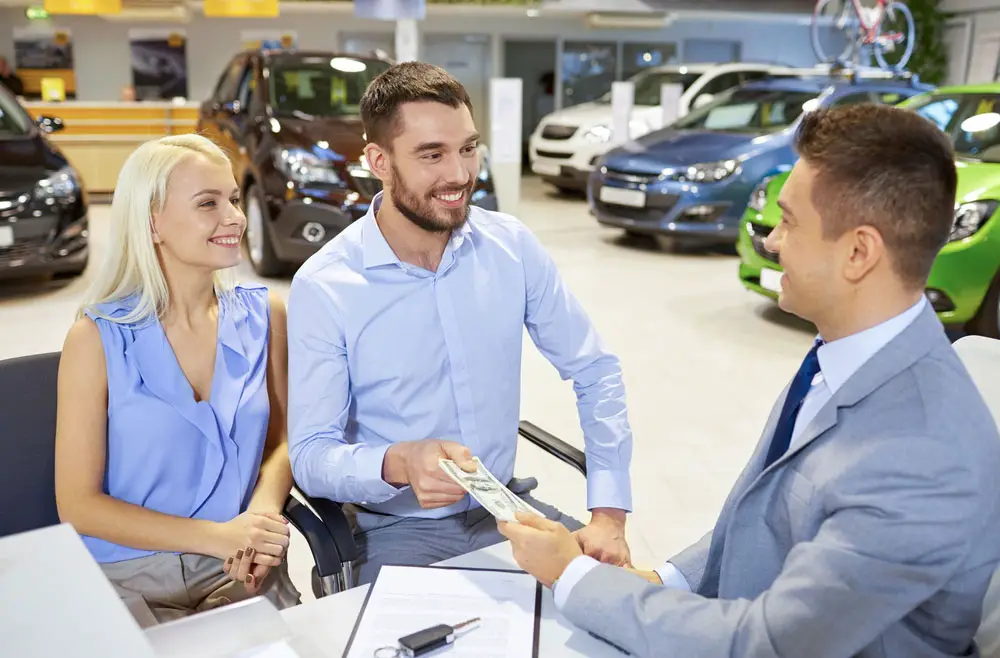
pixel 166 451
pixel 382 351
pixel 838 361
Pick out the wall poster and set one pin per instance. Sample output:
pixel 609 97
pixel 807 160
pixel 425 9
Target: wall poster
pixel 42 52
pixel 159 63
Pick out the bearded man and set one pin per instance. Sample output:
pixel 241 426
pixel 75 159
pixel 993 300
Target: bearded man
pixel 405 336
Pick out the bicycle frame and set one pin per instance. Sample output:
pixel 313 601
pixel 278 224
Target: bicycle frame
pixel 870 32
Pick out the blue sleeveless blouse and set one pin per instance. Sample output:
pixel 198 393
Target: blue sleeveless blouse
pixel 166 451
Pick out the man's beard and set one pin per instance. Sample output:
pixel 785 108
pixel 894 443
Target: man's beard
pixel 422 211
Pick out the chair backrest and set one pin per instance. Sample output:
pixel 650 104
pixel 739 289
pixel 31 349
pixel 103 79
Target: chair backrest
pixel 981 357
pixel 27 442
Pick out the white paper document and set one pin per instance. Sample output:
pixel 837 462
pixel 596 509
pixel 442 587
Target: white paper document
pixel 405 600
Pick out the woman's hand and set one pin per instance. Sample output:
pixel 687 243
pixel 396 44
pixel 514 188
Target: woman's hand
pixel 264 535
pixel 244 569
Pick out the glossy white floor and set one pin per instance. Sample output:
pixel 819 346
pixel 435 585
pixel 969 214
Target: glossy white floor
pixel 703 362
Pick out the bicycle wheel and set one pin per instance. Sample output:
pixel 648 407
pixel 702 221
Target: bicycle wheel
pixel 835 29
pixel 897 36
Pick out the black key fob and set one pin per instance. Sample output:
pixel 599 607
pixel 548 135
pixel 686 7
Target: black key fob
pixel 427 640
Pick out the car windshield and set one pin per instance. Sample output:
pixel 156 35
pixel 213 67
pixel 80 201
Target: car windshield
pixel 14 122
pixel 322 86
pixel 749 110
pixel 977 133
pixel 649 83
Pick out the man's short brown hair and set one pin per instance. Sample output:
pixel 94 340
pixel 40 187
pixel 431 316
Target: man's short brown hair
pixel 408 82
pixel 888 168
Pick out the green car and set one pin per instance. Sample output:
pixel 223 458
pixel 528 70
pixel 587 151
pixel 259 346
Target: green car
pixel 964 285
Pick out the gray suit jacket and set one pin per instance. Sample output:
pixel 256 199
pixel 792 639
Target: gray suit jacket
pixel 875 536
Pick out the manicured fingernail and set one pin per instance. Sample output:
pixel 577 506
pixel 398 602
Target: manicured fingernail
pixel 239 555
pixel 250 552
pixel 229 562
pixel 249 579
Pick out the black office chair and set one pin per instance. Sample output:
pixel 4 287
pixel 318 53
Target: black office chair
pixel 27 469
pixel 339 527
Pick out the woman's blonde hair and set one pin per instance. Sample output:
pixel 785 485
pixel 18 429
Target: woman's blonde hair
pixel 131 268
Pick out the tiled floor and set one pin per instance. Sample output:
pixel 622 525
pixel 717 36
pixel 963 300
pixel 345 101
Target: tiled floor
pixel 703 362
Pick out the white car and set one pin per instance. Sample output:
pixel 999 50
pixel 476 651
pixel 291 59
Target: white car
pixel 567 143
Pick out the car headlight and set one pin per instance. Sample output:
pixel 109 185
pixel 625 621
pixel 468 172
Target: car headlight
pixel 600 134
pixel 62 185
pixel 705 172
pixel 970 217
pixel 758 198
pixel 304 167
pixel 484 162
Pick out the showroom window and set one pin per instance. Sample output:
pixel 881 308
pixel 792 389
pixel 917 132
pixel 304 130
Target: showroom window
pixel 639 57
pixel 588 69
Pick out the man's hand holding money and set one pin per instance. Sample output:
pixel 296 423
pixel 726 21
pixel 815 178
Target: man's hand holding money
pixel 417 464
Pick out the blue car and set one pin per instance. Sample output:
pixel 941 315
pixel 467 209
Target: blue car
pixel 693 179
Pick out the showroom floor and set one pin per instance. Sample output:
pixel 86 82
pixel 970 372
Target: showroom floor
pixel 703 362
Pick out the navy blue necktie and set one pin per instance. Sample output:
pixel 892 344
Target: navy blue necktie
pixel 790 411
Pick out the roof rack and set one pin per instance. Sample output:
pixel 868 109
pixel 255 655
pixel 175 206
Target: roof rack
pixel 853 73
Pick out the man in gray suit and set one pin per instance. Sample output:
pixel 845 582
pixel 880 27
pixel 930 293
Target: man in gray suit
pixel 866 523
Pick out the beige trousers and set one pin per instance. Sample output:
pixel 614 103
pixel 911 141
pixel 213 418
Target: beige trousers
pixel 164 587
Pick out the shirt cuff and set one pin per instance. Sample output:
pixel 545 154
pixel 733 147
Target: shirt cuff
pixel 573 574
pixel 369 469
pixel 672 577
pixel 607 488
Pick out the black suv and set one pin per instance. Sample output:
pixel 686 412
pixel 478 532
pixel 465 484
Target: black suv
pixel 291 123
pixel 43 207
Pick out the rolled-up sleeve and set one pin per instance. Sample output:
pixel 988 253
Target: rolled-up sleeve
pixel 324 462
pixel 564 334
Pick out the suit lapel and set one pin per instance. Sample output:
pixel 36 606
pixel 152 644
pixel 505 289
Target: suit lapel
pixel 924 334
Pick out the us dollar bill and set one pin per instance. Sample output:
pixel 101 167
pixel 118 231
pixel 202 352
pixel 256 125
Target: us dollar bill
pixel 498 500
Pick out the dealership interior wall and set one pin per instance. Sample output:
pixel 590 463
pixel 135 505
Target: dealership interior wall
pixel 703 357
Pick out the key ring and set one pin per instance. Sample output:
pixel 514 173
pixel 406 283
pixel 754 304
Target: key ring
pixel 387 652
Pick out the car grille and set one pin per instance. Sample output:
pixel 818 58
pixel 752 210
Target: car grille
pixel 555 131
pixel 367 185
pixel 553 155
pixel 657 205
pixel 23 250
pixel 758 234
pixel 630 177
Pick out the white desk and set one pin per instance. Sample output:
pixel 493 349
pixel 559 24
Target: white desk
pixel 328 622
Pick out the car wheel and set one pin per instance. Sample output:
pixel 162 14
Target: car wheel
pixel 262 257
pixel 987 320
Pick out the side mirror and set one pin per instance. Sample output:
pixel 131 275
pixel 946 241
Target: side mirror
pixel 702 100
pixel 50 124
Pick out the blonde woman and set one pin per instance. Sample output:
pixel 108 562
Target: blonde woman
pixel 171 453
